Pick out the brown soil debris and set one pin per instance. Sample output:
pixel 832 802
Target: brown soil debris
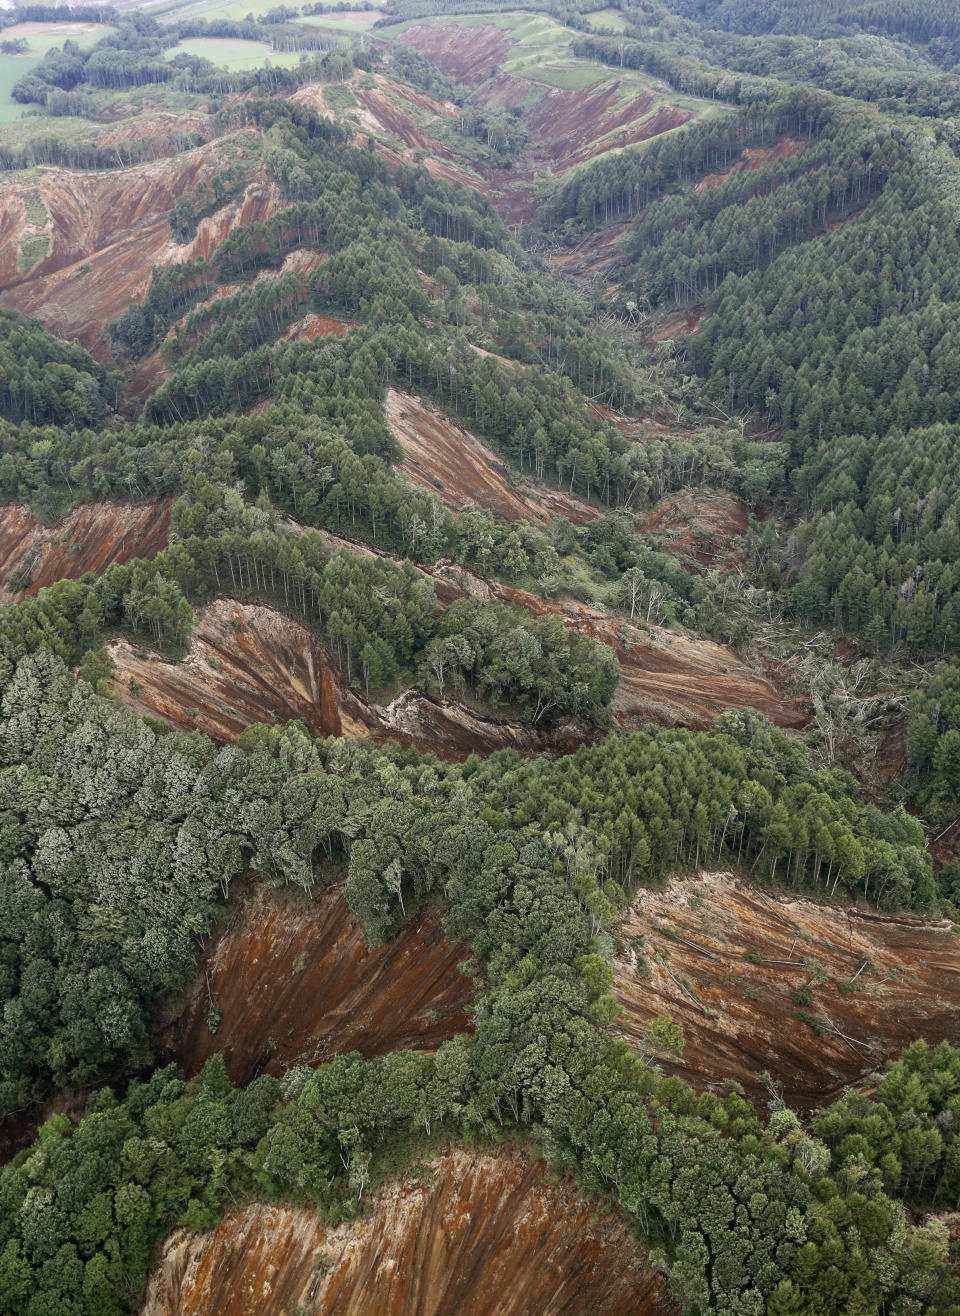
pixel 453 463
pixel 739 1015
pixel 249 663
pixel 296 982
pixel 89 539
pixel 106 230
pixel 752 158
pixel 471 1235
pixel 703 524
pixel 666 676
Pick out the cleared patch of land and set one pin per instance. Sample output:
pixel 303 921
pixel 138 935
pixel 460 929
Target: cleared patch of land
pixel 470 1235
pixel 815 995
pixel 295 981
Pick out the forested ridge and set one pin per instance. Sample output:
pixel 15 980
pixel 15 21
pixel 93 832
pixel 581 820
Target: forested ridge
pixel 806 233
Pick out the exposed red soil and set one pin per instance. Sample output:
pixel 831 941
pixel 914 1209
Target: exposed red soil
pixel 703 524
pixel 752 158
pixel 89 539
pixel 317 326
pixel 667 677
pixel 106 230
pixel 296 982
pixel 389 116
pixel 566 127
pixel 391 109
pixel 249 663
pixel 453 463
pixel 469 1235
pixel 678 324
pixel 739 1016
pixel 469 54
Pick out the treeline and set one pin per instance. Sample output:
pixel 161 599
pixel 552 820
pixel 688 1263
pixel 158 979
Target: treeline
pixel 922 21
pixel 90 154
pixel 611 188
pixel 933 742
pixel 46 380
pixel 685 246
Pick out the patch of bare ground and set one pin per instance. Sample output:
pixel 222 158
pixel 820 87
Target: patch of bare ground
pixel 316 326
pixel 388 109
pixel 295 981
pixel 817 996
pixel 88 539
pixel 665 676
pixel 249 663
pixel 470 1235
pixel 705 525
pixel 567 127
pixel 467 54
pixel 752 158
pixel 676 324
pixel 598 253
pixel 453 463
pixel 106 231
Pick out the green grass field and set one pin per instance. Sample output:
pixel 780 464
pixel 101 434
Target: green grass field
pixel 47 35
pixel 234 54
pixel 606 20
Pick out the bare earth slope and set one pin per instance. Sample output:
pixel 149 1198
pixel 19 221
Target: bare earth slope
pixel 105 231
pixel 249 663
pixel 296 982
pixel 686 952
pixel 473 1235
pixel 457 466
pixel 89 539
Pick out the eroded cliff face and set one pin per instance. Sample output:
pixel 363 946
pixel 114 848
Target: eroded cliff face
pixel 815 995
pixel 471 1235
pixel 460 468
pixel 295 981
pixel 106 230
pixel 89 539
pixel 249 663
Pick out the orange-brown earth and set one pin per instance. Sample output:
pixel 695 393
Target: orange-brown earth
pixel 469 1235
pixel 453 463
pixel 567 127
pixel 249 663
pixel 703 524
pixel 391 110
pixel 666 676
pixel 752 158
pixel 296 982
pixel 106 230
pixel 89 539
pixel 726 960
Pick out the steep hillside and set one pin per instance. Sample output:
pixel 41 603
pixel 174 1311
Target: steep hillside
pixel 89 539
pixel 448 460
pixel 524 68
pixel 105 230
pixel 471 1235
pixel 293 982
pixel 249 663
pixel 814 995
